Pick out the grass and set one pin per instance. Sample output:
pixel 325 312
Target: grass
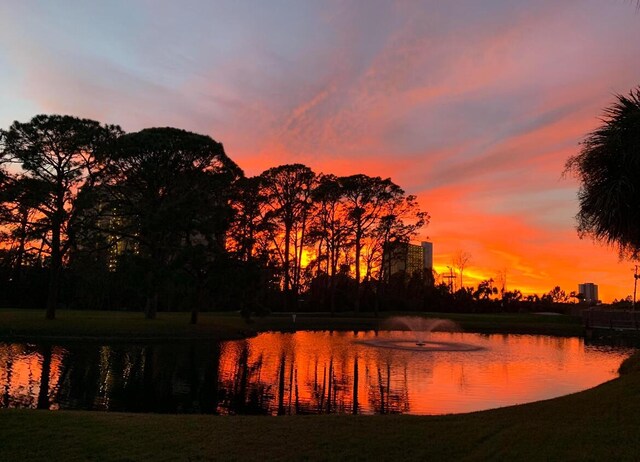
pixel 116 325
pixel 30 325
pixel 597 424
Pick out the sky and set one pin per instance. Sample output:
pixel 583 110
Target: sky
pixel 472 106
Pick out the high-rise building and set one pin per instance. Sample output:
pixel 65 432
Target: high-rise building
pixel 410 258
pixel 590 292
pixel 427 255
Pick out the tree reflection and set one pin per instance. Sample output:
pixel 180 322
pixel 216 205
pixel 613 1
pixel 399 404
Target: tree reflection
pixel 43 393
pixel 8 367
pixel 385 400
pixel 274 374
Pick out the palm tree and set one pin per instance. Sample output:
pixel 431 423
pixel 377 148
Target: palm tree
pixel 608 167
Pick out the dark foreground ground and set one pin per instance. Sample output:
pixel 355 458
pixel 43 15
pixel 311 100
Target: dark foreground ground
pixel 598 424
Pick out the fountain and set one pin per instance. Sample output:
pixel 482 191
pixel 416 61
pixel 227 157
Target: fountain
pixel 421 328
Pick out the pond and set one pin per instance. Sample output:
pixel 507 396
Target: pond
pixel 305 373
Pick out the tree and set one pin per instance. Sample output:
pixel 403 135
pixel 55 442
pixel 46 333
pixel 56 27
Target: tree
pixel 287 193
pixel 248 222
pixel 58 152
pixel 608 168
pixel 330 229
pixel 501 280
pixel 400 220
pixel 485 290
pixel 460 261
pixel 511 297
pixel 556 295
pixel 579 298
pixel 23 231
pixel 167 191
pixel 365 200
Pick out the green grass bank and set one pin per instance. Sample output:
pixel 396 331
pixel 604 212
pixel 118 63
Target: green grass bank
pixel 30 325
pixel 597 424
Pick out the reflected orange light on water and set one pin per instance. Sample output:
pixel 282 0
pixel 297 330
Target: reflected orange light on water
pixel 22 373
pixel 304 373
pixel 333 372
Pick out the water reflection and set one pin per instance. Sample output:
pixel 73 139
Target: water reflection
pixel 301 373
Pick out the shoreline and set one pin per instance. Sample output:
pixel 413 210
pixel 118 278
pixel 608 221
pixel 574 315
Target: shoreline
pixel 172 327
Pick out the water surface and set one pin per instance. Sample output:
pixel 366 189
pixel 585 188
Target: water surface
pixel 303 373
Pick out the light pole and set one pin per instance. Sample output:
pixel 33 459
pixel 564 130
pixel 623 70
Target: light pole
pixel 450 277
pixel 635 286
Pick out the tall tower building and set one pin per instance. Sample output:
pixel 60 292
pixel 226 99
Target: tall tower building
pixel 427 255
pixel 590 292
pixel 410 258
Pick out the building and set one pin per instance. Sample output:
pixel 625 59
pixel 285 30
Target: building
pixel 427 255
pixel 590 292
pixel 409 258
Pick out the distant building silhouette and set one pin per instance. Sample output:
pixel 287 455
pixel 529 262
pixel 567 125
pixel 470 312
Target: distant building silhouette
pixel 427 255
pixel 590 292
pixel 409 258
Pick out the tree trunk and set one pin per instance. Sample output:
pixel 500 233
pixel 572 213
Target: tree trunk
pixel 358 250
pixel 152 280
pixel 54 273
pixel 332 279
pixel 17 269
pixel 298 272
pixel 151 308
pixel 285 266
pixel 199 304
pixel 56 252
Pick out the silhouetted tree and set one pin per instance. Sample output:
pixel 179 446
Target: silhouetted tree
pixel 59 153
pixel 22 224
pixel 460 262
pixel 167 190
pixel 287 191
pixel 400 220
pixel 556 295
pixel 365 200
pixel 485 290
pixel 248 224
pixel 608 168
pixel 511 297
pixel 330 229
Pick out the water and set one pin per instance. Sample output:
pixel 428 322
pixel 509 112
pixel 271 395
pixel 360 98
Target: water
pixel 304 373
pixel 420 327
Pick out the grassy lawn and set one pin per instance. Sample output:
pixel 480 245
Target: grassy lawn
pixel 597 424
pixel 102 325
pixel 114 325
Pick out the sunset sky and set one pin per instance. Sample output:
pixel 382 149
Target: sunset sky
pixel 474 106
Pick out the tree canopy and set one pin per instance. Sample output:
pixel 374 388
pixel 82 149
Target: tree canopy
pixel 166 191
pixel 608 168
pixel 56 157
pixel 164 219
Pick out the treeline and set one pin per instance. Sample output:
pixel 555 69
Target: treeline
pixel 162 219
pixel 487 298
